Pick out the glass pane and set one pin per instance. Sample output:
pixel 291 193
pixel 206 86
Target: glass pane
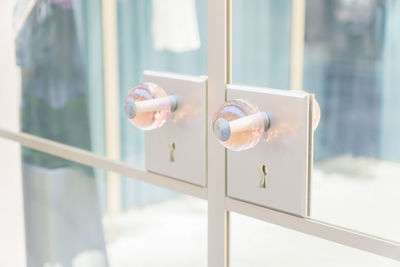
pixel 161 35
pixel 171 232
pixel 67 222
pixel 257 243
pixel 352 64
pixel 52 54
pixel 261 42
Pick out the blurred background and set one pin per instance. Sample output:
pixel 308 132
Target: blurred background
pixel 54 67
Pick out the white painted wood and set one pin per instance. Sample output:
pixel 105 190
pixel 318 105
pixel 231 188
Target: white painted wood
pixel 12 224
pixel 90 159
pixel 218 12
pixel 283 149
pixel 186 128
pixel 297 35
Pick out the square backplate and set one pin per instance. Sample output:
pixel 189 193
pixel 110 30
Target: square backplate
pixel 285 150
pixel 186 128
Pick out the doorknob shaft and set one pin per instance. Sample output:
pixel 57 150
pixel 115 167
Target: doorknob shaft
pixel 223 128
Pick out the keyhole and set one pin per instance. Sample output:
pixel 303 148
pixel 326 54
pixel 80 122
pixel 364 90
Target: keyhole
pixel 171 146
pixel 263 173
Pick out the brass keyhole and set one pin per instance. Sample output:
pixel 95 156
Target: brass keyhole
pixel 263 173
pixel 171 146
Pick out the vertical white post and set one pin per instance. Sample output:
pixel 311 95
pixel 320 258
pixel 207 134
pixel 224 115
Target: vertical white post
pixel 218 76
pixel 111 99
pixel 12 223
pixel 297 44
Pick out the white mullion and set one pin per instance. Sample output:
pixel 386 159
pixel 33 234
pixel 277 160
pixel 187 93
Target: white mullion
pixel 90 159
pixel 111 101
pixel 298 19
pixel 13 247
pixel 218 75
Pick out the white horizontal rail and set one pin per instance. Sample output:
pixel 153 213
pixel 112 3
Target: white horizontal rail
pixel 350 238
pixel 90 159
pixel 347 237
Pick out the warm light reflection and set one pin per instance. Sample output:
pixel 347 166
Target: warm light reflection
pixel 146 118
pixel 246 137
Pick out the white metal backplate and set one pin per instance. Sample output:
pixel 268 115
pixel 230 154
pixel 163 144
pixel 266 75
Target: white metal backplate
pixel 284 149
pixel 186 127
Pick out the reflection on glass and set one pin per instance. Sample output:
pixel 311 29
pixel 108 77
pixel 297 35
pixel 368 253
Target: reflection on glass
pixel 58 49
pixel 256 243
pixel 352 60
pixel 67 224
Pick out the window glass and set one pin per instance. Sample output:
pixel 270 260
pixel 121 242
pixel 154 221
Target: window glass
pixel 58 52
pixel 261 43
pixel 352 64
pixel 257 243
pixel 160 35
pixel 68 221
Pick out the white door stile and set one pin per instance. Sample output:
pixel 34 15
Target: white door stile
pixel 340 235
pixel 218 75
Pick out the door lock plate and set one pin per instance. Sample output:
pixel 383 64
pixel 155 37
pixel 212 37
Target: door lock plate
pixel 285 149
pixel 178 148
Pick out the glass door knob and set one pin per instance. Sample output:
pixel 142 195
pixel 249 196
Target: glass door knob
pixel 239 125
pixel 148 106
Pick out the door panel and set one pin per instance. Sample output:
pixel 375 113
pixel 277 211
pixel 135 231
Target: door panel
pixel 351 63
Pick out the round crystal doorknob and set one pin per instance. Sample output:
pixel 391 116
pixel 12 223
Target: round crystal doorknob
pixel 239 125
pixel 147 106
